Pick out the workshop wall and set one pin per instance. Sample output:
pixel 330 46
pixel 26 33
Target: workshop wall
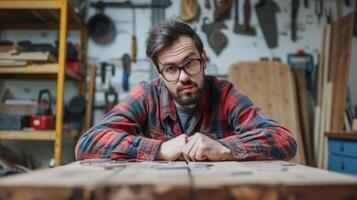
pixel 239 48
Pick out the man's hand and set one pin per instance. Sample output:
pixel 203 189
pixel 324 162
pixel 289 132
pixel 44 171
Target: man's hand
pixel 201 147
pixel 172 149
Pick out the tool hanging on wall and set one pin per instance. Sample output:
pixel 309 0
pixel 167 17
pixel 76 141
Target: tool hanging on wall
pixel 189 10
pixel 111 98
pixel 103 70
pixel 328 15
pixel 266 10
pixel 319 9
pixel 355 22
pixel 216 39
pixel 100 27
pixel 207 4
pixel 294 12
pixel 222 9
pixel 126 71
pixel 244 29
pixel 133 39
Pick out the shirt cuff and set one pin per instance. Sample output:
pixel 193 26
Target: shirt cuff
pixel 148 148
pixel 237 148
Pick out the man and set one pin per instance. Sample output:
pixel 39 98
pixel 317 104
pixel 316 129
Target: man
pixel 184 114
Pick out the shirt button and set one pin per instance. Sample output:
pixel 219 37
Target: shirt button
pixel 241 153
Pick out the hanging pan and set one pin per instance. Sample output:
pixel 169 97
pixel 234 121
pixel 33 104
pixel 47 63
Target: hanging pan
pixel 101 28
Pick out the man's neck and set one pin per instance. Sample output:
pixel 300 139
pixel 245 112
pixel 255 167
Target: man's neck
pixel 184 107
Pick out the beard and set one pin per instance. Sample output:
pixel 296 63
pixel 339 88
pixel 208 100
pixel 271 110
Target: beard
pixel 189 98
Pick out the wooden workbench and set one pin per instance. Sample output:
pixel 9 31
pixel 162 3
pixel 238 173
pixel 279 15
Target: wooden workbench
pixel 108 180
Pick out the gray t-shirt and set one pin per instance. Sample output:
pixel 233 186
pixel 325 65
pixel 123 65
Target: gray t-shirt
pixel 184 117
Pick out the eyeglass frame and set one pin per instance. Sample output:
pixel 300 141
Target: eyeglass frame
pixel 181 67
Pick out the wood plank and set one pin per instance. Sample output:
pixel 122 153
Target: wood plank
pixel 271 86
pixel 326 92
pixel 317 121
pixel 304 114
pixel 27 135
pixel 28 56
pixel 90 98
pixel 340 63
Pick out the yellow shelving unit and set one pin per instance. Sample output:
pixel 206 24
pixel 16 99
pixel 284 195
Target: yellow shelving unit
pixel 43 14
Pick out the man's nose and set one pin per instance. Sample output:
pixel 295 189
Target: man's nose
pixel 183 77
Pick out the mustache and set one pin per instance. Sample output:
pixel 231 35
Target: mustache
pixel 187 83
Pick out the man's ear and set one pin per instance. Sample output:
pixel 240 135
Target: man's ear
pixel 204 59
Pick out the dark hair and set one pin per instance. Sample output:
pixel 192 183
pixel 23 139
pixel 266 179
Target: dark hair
pixel 165 34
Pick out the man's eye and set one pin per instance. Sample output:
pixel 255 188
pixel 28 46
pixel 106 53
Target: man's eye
pixel 170 69
pixel 188 63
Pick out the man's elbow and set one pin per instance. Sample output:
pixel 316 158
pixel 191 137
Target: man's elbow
pixel 290 148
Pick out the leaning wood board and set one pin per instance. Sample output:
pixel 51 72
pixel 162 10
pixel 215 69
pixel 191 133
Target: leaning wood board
pixel 271 86
pixel 340 63
pixel 304 114
pixel 271 180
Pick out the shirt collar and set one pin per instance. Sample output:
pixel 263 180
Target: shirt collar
pixel 167 103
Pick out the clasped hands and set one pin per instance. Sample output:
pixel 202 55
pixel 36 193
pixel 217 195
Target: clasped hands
pixel 198 147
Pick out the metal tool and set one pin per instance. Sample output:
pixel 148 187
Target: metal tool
pixel 126 71
pixel 328 15
pixel 103 70
pixel 294 12
pixel 265 10
pixel 207 4
pixel 319 9
pixel 244 29
pixel 133 39
pixel 101 28
pixel 216 39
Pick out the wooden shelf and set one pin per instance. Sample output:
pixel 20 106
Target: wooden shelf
pixel 37 69
pixel 27 135
pixel 40 14
pixel 44 14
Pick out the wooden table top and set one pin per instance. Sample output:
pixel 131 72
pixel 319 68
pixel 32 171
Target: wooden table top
pixel 104 179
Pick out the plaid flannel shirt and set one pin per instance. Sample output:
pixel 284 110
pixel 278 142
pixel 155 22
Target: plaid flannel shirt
pixel 135 128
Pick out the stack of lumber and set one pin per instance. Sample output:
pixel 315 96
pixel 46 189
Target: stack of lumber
pixel 332 80
pixel 18 58
pixel 271 86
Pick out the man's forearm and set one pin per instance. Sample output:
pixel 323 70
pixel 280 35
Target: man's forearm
pixel 116 145
pixel 262 144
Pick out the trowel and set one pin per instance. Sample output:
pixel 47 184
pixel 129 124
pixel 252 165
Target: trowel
pixel 216 39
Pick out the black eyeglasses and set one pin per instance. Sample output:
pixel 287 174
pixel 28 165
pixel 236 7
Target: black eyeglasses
pixel 172 72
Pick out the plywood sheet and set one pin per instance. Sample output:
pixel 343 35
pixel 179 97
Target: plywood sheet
pixel 340 64
pixel 271 86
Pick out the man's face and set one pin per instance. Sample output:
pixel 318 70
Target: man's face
pixel 187 89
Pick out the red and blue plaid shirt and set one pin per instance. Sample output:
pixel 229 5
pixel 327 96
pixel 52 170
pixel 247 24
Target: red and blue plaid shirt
pixel 135 128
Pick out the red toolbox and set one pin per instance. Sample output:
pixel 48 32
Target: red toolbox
pixel 43 122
